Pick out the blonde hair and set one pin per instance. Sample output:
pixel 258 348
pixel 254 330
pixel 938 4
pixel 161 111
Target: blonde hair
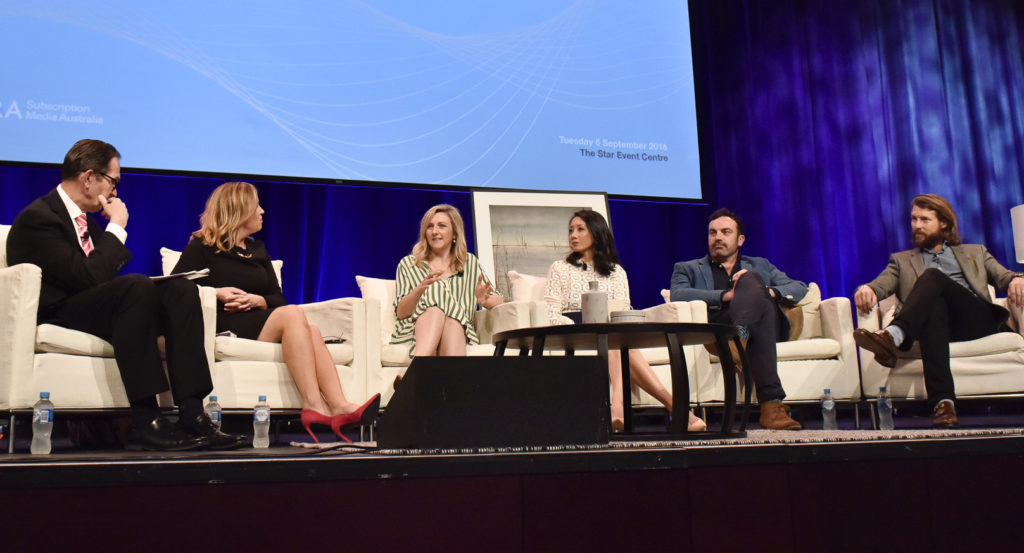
pixel 230 205
pixel 421 251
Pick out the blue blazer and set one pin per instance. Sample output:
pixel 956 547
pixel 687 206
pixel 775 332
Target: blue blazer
pixel 692 280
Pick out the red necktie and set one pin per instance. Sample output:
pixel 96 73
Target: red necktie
pixel 83 234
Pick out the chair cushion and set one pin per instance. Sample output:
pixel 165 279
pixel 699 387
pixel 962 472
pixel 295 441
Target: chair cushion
pixel 57 339
pixel 384 291
pixel 397 355
pixel 527 287
pixel 169 258
pixel 808 348
pixel 241 349
pixel 804 350
pixel 995 344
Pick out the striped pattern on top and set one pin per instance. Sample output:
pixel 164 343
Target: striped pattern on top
pixel 455 295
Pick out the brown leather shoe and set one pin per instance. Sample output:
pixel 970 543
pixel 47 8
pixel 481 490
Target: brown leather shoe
pixel 775 416
pixel 944 415
pixel 879 343
pixel 712 348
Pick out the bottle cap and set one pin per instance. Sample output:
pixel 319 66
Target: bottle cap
pixel 828 390
pixel 263 398
pixel 44 395
pixel 213 398
pixel 883 389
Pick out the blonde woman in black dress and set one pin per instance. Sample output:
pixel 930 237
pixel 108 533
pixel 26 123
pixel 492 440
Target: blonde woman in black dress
pixel 250 304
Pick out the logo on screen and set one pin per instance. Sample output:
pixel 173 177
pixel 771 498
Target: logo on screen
pixel 10 111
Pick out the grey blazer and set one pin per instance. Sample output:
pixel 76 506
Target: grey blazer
pixel 979 267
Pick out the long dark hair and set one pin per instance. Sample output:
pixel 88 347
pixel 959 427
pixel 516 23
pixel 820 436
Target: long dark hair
pixel 605 256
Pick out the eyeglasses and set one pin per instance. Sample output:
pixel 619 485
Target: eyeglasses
pixel 112 180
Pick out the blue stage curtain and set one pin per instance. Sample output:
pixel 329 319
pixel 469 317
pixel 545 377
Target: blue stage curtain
pixel 824 119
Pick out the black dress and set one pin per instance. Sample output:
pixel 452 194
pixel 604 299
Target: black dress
pixel 246 268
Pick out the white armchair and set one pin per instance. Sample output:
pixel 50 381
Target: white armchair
pixel 244 369
pixel 385 360
pixel 993 365
pixel 78 369
pixel 822 356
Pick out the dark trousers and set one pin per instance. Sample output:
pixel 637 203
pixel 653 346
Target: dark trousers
pixel 130 312
pixel 753 308
pixel 939 311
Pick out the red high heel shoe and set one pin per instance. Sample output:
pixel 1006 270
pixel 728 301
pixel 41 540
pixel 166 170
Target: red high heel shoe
pixel 362 416
pixel 310 417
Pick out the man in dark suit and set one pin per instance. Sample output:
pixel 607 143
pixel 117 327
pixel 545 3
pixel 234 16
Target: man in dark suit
pixel 943 287
pixel 746 292
pixel 81 290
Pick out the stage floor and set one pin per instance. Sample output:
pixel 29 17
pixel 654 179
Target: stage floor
pixel 295 463
pixel 847 490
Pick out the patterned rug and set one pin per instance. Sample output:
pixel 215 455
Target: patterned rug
pixel 754 437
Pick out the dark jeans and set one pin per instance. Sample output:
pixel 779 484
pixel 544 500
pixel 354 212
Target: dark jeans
pixel 939 311
pixel 130 312
pixel 753 308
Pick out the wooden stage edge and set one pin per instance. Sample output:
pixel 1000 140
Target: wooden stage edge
pixel 284 464
pixel 948 494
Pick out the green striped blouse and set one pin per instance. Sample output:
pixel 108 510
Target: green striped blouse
pixel 455 295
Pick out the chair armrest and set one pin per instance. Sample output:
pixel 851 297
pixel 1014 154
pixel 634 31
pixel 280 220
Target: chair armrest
pixel 1016 314
pixel 337 317
pixel 19 302
pixel 870 320
pixel 671 312
pixel 506 316
pixel 208 304
pixel 837 319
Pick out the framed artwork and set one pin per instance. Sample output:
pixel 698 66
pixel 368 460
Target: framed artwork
pixel 526 231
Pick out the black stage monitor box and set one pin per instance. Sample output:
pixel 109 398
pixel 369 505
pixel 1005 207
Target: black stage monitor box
pixel 472 402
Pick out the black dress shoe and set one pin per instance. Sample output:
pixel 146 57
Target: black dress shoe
pixel 160 434
pixel 202 427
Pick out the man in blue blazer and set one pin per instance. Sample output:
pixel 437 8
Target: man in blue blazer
pixel 746 292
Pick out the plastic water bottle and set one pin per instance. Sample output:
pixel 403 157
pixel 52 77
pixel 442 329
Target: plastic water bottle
pixel 42 425
pixel 884 409
pixel 828 411
pixel 212 409
pixel 261 424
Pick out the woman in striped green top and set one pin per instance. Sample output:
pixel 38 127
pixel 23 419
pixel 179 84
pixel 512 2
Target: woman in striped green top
pixel 438 288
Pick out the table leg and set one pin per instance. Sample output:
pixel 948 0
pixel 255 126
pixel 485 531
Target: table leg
pixel 499 348
pixel 627 392
pixel 602 356
pixel 538 346
pixel 680 385
pixel 729 378
pixel 748 383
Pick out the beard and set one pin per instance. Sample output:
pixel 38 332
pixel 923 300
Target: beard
pixel 927 241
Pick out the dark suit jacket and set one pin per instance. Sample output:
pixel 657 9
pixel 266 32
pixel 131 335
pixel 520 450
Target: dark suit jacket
pixel 43 235
pixel 692 280
pixel 979 267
